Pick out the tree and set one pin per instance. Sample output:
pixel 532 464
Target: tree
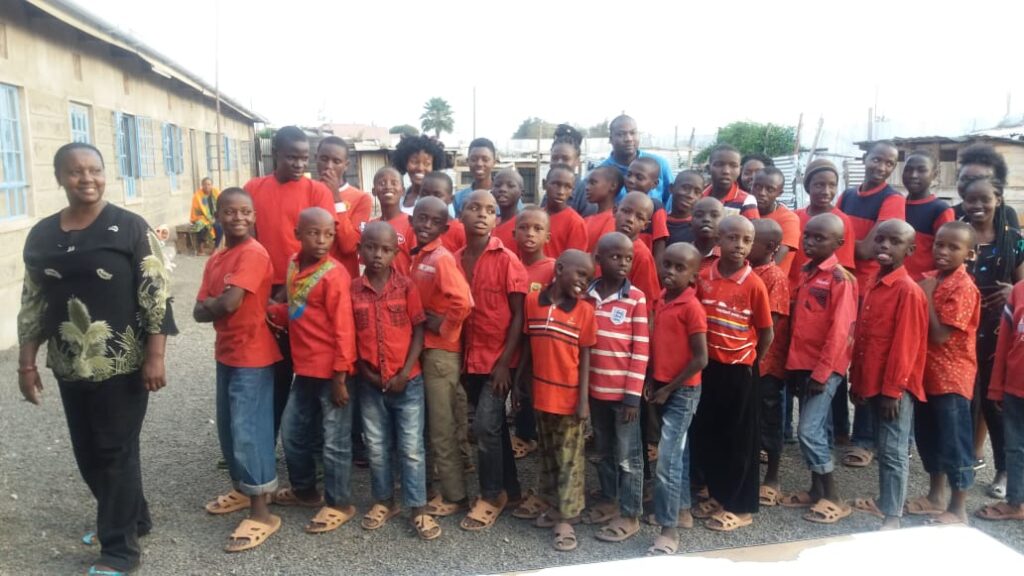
pixel 529 128
pixel 437 116
pixel 751 137
pixel 599 130
pixel 404 130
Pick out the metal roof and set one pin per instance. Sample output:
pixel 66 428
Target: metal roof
pixel 866 144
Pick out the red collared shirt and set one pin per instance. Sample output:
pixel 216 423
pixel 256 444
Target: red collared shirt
pixel 385 322
pixel 790 224
pixel 444 291
pixel 496 274
pixel 558 337
pixel 845 253
pixel 568 231
pixel 953 365
pixel 891 340
pixel 823 317
pixel 777 284
pixel 540 273
pixel 1009 360
pixel 506 232
pixel 737 307
pixel 674 322
pixel 619 358
pixel 644 274
pixel 598 225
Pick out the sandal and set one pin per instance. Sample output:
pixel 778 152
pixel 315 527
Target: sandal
pixel 438 506
pixel 857 457
pixel 253 532
pixel 944 519
pixel 601 513
pixel 287 497
pixel 706 509
pixel 522 448
pixel 530 508
pixel 827 512
pixel 663 546
pixel 922 506
pixel 233 501
pixel 798 500
pixel 999 512
pixel 329 518
pixel 378 515
pixel 565 537
pixel 868 506
pixel 768 495
pixel 727 522
pixel 426 527
pixel 618 530
pixel 549 520
pixel 684 520
pixel 483 513
pixel 997 490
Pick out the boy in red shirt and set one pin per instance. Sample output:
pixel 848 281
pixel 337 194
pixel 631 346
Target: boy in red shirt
pixel 559 331
pixel 603 185
pixel 707 213
pixel 233 295
pixel 439 185
pixel 643 175
pixel 631 216
pixel 724 163
pixel 676 388
pixel 944 427
pixel 726 433
pixel 491 337
pixel 568 231
pixel 771 368
pixel 447 302
pixel 825 309
pixel 508 189
pixel 889 351
pixel 388 189
pixel 352 206
pixel 768 185
pixel 318 317
pixel 389 319
pixel 925 211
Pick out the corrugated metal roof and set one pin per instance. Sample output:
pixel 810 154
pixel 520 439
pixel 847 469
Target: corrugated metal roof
pixel 916 140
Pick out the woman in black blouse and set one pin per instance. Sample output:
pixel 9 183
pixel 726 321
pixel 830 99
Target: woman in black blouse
pixel 97 292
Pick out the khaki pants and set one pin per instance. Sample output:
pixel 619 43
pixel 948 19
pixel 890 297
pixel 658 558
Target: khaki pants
pixel 445 420
pixel 560 445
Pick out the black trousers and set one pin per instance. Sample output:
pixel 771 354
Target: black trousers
pixel 104 421
pixel 772 389
pixel 283 376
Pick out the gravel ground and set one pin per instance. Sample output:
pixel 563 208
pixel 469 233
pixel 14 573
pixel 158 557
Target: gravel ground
pixel 45 507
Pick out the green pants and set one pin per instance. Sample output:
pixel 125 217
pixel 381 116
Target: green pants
pixel 560 445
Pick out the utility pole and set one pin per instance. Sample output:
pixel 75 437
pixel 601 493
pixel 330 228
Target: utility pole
pixel 796 141
pixel 474 112
pixel 689 151
pixel 871 124
pixel 216 88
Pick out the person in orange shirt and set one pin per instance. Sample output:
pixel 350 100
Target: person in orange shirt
pixel 643 176
pixel 724 165
pixel 204 208
pixel 567 229
pixel 707 213
pixel 234 295
pixel 491 337
pixel 768 185
pixel 771 368
pixel 387 187
pixel 631 216
pixel 602 187
pixel 825 309
pixel 389 319
pixel 560 330
pixel 447 302
pixel 318 318
pixel 726 434
pixel 889 351
pixel 943 425
pixel 439 185
pixel 508 189
pixel 352 206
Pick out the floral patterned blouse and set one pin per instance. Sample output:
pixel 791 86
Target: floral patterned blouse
pixel 95 294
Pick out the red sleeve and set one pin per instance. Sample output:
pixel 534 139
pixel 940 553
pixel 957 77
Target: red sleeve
pixel 839 336
pixel 760 305
pixel 516 280
pixel 696 319
pixel 659 225
pixel 278 314
pixel 346 236
pixel 946 216
pixel 360 211
pixel 338 303
pixel 645 276
pixel 248 270
pixel 528 309
pixel 588 332
pixel 997 383
pixel 778 293
pixel 457 295
pixel 790 225
pixel 846 254
pixel 957 310
pixel 414 304
pixel 641 352
pixel 893 208
pixel 911 334
pixel 250 186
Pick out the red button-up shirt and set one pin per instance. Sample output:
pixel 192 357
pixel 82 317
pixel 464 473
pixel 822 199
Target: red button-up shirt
pixel 953 365
pixel 385 322
pixel 1009 363
pixel 777 284
pixel 444 291
pixel 823 318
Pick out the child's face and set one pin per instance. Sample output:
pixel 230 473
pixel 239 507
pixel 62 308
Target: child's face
pixel 706 216
pixel 735 239
pixel 429 221
pixel 599 187
pixel 531 231
pixel 481 163
pixel 387 187
pixel 377 249
pixel 631 217
pixel 951 249
pixel 641 177
pixel 725 169
pixel 558 187
pixel 821 239
pixel 565 153
pixel 762 251
pixel 479 213
pixel 750 169
pixel 438 188
pixel 892 244
pixel 506 191
pixel 686 190
pixel 292 160
pixel 418 166
pixel 235 215
pixel 879 164
pixel 822 190
pixel 678 270
pixel 980 202
pixel 574 277
pixel 333 159
pixel 918 173
pixel 616 260
pixel 767 188
pixel 315 237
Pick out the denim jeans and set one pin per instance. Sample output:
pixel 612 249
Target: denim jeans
pixel 310 407
pixel 945 438
pixel 892 441
pixel 393 421
pixel 813 429
pixel 1013 425
pixel 617 444
pixel 840 423
pixel 496 465
pixel 245 427
pixel 672 479
pixel 864 427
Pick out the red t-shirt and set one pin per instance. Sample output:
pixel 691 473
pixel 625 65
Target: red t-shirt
pixel 357 208
pixel 558 335
pixel 506 232
pixel 644 274
pixel 243 338
pixel 385 322
pixel 568 231
pixel 455 238
pixel 540 273
pixel 791 228
pixel 674 322
pixel 277 206
pixel 657 228
pixel 777 284
pixel 926 215
pixel 953 365
pixel 737 307
pixel 598 225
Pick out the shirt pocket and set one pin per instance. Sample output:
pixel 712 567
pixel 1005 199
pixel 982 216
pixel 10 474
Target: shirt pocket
pixel 361 315
pixel 398 313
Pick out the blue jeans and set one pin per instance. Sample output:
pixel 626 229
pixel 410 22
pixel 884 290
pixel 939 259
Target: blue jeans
pixel 393 421
pixel 620 470
pixel 309 407
pixel 945 438
pixel 813 429
pixel 864 427
pixel 1013 426
pixel 892 441
pixel 245 427
pixel 672 478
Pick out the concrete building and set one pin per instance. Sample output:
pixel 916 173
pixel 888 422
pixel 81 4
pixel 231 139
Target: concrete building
pixel 66 75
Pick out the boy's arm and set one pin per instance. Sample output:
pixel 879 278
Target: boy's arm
pixel 840 330
pixel 911 325
pixel 338 303
pixel 501 380
pixel 346 235
pixel 640 356
pixel 997 383
pixel 457 294
pixel 583 404
pixel 764 340
pixel 938 333
pixel 658 250
pixel 215 308
pixel 518 384
pixel 415 348
pixel 698 361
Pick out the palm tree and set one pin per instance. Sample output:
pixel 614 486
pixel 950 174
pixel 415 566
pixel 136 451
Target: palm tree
pixel 437 116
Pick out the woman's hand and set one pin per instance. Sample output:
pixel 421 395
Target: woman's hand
pixel 154 373
pixel 31 386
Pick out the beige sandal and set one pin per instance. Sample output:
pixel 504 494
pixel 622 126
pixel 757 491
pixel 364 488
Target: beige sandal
pixel 328 519
pixel 253 532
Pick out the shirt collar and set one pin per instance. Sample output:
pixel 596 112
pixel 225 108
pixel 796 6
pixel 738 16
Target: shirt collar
pixel 686 295
pixel 621 294
pixel 299 272
pixel 871 191
pixel 892 277
pixel 567 305
pixel 429 247
pixel 392 278
pixel 731 195
pixel 343 187
pixel 738 277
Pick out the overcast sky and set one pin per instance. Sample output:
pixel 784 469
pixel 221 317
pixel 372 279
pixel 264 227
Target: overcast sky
pixel 932 67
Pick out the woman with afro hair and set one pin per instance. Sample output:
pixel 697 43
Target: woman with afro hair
pixel 417 156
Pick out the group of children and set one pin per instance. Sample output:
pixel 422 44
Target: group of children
pixel 651 324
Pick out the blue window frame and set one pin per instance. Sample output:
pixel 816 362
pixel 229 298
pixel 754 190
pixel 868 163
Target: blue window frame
pixel 79 114
pixel 13 185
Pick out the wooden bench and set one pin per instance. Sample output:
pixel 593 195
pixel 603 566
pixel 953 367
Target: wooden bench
pixel 189 241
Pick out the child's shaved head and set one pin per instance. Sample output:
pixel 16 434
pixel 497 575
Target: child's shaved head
pixel 314 216
pixel 767 230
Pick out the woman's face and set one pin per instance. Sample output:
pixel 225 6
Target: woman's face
pixel 81 175
pixel 418 165
pixel 565 153
pixel 980 202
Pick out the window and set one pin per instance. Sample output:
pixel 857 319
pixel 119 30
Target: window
pixel 173 163
pixel 79 123
pixel 12 179
pixel 211 154
pixel 127 151
pixel 229 154
pixel 147 147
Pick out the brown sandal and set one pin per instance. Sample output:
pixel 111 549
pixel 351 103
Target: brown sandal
pixel 483 513
pixel 253 532
pixel 727 522
pixel 798 500
pixel 233 501
pixel 287 497
pixel 438 506
pixel 378 515
pixel 530 508
pixel 618 530
pixel 328 519
pixel 827 512
pixel 426 527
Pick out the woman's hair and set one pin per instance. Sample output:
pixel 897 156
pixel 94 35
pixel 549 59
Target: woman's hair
pixel 763 159
pixel 985 155
pixel 566 134
pixel 68 148
pixel 1005 236
pixel 410 145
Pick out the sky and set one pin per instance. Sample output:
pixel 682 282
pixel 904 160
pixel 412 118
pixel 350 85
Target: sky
pixel 927 68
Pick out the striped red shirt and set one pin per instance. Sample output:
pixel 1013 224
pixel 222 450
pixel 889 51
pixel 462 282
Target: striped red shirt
pixel 737 307
pixel 618 361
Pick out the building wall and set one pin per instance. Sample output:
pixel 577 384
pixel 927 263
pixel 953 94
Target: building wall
pixel 52 65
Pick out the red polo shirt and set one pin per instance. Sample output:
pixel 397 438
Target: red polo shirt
pixel 737 307
pixel 540 273
pixel 777 284
pixel 385 322
pixel 598 225
pixel 952 366
pixel 443 291
pixel 737 201
pixel 824 313
pixel 891 341
pixel 568 231
pixel 558 336
pixel 644 274
pixel 674 322
pixel 844 254
pixel 1009 361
